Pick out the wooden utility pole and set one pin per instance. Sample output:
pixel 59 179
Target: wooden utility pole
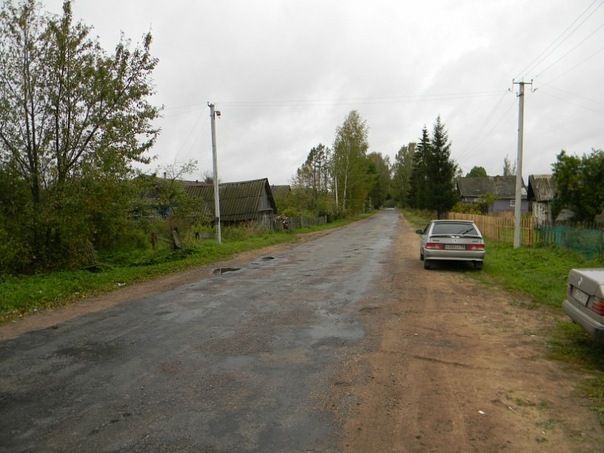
pixel 518 198
pixel 213 114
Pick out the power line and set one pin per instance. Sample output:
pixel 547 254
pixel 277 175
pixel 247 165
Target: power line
pixel 572 103
pixel 559 40
pixel 573 68
pixel 483 132
pixel 360 101
pixel 571 50
pixel 575 95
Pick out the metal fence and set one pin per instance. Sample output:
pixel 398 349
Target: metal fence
pixel 584 238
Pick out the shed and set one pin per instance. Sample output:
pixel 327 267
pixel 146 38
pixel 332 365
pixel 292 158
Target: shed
pixel 243 201
pixel 541 192
pixel 473 189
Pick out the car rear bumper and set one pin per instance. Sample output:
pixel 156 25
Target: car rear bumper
pixel 578 315
pixel 453 255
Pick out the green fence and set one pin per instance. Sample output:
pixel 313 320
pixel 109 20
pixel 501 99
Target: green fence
pixel 588 241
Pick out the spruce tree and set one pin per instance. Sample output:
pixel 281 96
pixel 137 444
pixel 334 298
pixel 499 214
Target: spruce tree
pixel 417 197
pixel 440 171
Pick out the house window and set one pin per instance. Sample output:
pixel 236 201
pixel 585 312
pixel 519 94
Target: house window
pixel 512 203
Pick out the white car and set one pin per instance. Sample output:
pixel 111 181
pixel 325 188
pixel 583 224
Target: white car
pixel 451 240
pixel 585 300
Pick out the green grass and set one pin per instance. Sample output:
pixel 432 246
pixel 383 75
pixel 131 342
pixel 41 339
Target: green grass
pixel 541 273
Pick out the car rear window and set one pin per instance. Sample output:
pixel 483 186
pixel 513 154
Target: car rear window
pixel 454 228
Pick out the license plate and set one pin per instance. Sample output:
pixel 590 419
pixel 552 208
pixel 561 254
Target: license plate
pixel 580 296
pixel 455 247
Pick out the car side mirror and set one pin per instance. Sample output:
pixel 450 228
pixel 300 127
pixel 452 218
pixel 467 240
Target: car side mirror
pixel 419 231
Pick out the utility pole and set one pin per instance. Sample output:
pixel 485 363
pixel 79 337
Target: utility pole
pixel 213 114
pixel 518 198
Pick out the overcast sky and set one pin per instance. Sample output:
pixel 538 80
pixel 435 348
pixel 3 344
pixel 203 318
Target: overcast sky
pixel 285 74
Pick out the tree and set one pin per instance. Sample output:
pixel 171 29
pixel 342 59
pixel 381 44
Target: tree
pixel 441 171
pixel 350 164
pixel 402 169
pixel 417 196
pixel 477 172
pixel 432 178
pixel 72 117
pixel 310 193
pixel 381 179
pixel 314 173
pixel 579 185
pixel 508 168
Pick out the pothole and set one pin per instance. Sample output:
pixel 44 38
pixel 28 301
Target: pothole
pixel 224 270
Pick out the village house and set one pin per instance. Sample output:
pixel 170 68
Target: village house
pixel 240 202
pixel 502 188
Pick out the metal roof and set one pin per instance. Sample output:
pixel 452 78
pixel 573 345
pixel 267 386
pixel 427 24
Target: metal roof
pixel 239 201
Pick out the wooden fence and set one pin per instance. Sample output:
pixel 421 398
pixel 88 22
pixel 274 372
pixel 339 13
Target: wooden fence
pixel 586 238
pixel 500 228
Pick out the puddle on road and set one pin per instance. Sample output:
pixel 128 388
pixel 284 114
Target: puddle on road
pixel 224 270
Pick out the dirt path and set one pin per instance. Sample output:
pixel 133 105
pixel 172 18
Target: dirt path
pixel 453 366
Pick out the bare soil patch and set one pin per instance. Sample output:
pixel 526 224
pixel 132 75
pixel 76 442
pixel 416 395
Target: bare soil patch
pixel 451 365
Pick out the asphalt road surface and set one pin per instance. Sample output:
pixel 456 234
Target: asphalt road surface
pixel 241 360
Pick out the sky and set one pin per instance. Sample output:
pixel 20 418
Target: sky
pixel 285 74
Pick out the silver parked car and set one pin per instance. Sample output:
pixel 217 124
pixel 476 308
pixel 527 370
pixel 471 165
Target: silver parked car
pixel 585 300
pixel 451 240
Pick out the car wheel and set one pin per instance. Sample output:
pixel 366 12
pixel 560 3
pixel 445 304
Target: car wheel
pixel 421 256
pixel 478 265
pixel 427 264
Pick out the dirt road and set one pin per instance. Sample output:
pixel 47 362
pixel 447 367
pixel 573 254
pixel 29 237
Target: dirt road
pixel 342 343
pixel 450 365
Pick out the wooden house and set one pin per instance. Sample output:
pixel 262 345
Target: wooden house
pixel 502 188
pixel 541 191
pixel 240 202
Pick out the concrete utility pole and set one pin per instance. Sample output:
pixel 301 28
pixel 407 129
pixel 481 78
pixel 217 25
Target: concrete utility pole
pixel 213 114
pixel 518 198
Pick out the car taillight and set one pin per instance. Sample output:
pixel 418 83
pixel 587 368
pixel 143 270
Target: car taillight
pixel 598 306
pixel 435 246
pixel 475 247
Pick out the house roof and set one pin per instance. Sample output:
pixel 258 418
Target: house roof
pixel 541 187
pixel 503 187
pixel 239 201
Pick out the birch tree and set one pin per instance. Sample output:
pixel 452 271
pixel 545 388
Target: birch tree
pixel 350 163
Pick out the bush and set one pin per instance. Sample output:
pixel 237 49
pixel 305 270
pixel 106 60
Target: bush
pixel 15 256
